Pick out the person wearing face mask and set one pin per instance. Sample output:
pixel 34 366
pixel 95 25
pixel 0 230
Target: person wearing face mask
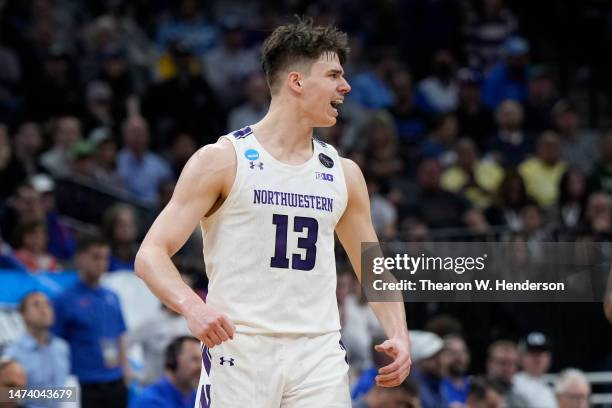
pixel 439 92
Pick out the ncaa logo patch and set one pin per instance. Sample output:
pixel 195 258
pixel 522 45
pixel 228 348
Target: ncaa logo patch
pixel 251 154
pixel 326 160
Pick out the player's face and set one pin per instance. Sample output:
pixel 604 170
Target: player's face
pixel 324 90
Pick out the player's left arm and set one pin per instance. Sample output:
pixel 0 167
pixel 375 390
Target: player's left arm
pixel 356 227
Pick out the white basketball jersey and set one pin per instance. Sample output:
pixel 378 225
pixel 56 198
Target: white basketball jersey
pixel 269 248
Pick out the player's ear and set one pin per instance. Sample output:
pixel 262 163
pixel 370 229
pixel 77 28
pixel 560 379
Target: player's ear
pixel 294 79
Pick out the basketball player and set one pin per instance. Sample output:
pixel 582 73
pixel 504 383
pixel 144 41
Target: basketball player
pixel 269 198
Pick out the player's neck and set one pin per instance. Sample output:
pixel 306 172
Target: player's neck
pixel 284 130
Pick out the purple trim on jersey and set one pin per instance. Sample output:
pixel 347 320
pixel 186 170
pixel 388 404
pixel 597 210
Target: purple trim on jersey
pixel 242 133
pixel 344 348
pixel 322 143
pixel 205 391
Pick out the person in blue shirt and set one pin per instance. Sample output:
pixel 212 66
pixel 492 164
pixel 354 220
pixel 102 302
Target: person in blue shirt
pixel 45 358
pixel 455 386
pixel 177 388
pixel 89 317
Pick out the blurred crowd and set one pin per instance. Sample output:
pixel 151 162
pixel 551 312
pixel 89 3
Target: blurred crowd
pixel 462 119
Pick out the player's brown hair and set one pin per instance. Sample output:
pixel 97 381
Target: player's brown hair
pixel 298 43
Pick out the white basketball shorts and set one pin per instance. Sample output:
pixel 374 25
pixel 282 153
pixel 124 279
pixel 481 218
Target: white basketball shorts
pixel 274 371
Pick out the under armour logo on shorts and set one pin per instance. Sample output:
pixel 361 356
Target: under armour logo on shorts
pixel 223 360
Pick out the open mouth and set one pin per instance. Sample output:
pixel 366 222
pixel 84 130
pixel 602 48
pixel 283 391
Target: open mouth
pixel 335 104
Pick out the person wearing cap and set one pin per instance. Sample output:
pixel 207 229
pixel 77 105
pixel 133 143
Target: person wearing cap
pixel 535 358
pixel 510 78
pixel 428 370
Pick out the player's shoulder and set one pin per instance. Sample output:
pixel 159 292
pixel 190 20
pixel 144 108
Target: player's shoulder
pixel 212 157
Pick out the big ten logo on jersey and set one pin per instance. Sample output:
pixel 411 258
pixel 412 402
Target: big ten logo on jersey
pixel 324 176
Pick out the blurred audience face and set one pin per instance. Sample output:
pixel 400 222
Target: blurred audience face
pixel 541 89
pixel 509 115
pixel 575 393
pixel 502 363
pixel 599 212
pixel 576 184
pixel 567 122
pixel 256 91
pixel 549 148
pixel 402 87
pixel 491 399
pixel 5 147
pixel 37 311
pixel 136 134
pixel 428 175
pixel 535 363
pixel 28 140
pixel 106 154
pixel 35 240
pixel 28 204
pixel 531 217
pixel 189 362
pixel 183 147
pixel 124 227
pixel 467 156
pixel 67 132
pixel 92 263
pixel 396 397
pixel 456 357
pixel 606 148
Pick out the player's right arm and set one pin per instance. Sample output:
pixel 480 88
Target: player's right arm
pixel 206 179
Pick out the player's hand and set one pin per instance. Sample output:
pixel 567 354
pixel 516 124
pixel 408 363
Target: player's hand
pixel 209 325
pixel 395 373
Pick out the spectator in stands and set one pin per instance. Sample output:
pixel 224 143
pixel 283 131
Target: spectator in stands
pixel 439 208
pixel 105 157
pixel 410 122
pixel 257 99
pixel 121 231
pixel 25 206
pixel 456 357
pixel 510 144
pixel 543 172
pixel 510 78
pixel 12 172
pixel 383 211
pixel 89 317
pixel 32 248
pixel 118 74
pixel 66 133
pixel 194 107
pixel 427 369
pixel 572 389
pixel 535 358
pixel 183 146
pixel 541 99
pixel 475 121
pixel 27 143
pixel 534 229
pixel 10 78
pixel 187 23
pixel 99 111
pixel 598 214
pixel 371 89
pixel 487 30
pixel 475 179
pixel 573 195
pixel 510 198
pixel 367 379
pixel 45 357
pixel 61 239
pixel 601 174
pixel 440 140
pixel 154 336
pixel 141 170
pixel 227 66
pixel 439 92
pixel 176 389
pixel 83 164
pixel 406 395
pixel 12 375
pixel 484 394
pixel 579 146
pixel 57 91
pixel 382 153
pixel 502 365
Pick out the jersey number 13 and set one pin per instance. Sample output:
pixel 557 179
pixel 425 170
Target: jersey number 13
pixel 308 242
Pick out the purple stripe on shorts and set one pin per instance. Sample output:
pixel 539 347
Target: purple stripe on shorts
pixel 205 392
